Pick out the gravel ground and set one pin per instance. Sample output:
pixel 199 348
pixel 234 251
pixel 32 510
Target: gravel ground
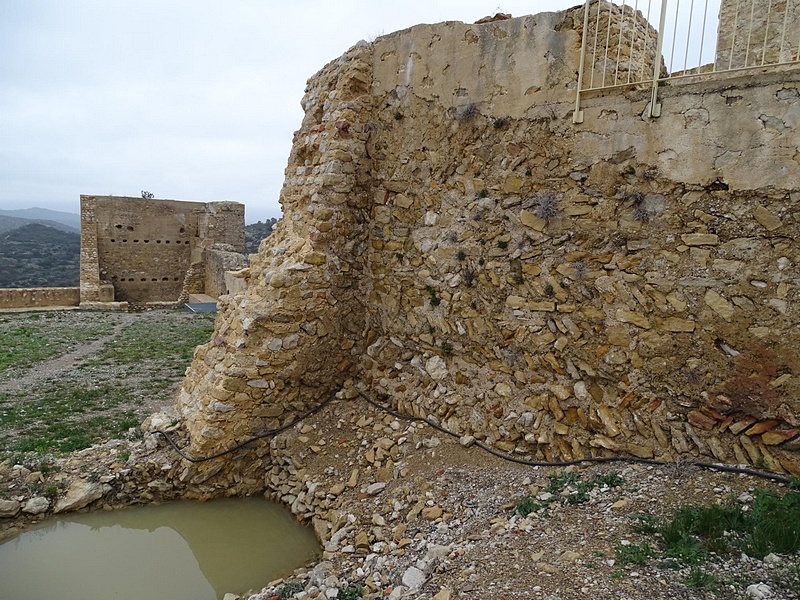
pixel 445 525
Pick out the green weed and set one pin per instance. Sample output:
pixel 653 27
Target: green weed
pixel 702 580
pixel 349 592
pixel 693 533
pixel 635 554
pixel 645 523
pixel 579 490
pixel 528 505
pixel 435 300
pixel 287 590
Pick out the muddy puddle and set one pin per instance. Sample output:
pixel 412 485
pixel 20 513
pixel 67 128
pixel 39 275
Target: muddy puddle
pixel 178 550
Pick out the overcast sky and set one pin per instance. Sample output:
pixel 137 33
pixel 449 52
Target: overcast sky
pixel 188 99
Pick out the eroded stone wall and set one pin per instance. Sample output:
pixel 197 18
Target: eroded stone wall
pixel 453 245
pixel 144 247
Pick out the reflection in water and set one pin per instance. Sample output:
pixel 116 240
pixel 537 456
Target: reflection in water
pixel 179 550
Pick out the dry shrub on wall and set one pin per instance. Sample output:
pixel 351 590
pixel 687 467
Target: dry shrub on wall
pixel 747 390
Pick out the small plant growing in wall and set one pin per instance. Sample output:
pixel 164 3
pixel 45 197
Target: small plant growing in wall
pixel 466 112
pixel 147 195
pixel 500 122
pixel 549 291
pixel 469 277
pixel 434 298
pixel 398 116
pixel 640 211
pixel 447 348
pixel 545 205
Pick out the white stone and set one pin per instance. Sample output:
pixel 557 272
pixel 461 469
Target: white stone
pixel 157 421
pixel 580 390
pixel 759 591
pixel 467 440
pixel 397 592
pixel 431 218
pixel 78 495
pixel 36 506
pixel 8 508
pixel 436 368
pixel 375 488
pixel 413 578
pixel 217 406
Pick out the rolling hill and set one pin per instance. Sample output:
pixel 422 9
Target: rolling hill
pixel 37 255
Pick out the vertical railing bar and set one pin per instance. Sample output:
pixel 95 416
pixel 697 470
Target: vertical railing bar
pixel 688 35
pixel 783 31
pixel 655 108
pixel 749 33
pixel 619 40
pixel 608 41
pixel 702 37
pixel 577 116
pixel 646 40
pixel 674 35
pixel 798 48
pixel 633 31
pixel 594 47
pixel 733 37
pixel 766 31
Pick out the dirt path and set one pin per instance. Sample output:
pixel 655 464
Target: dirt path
pixel 53 367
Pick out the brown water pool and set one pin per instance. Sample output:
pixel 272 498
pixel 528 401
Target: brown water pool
pixel 174 551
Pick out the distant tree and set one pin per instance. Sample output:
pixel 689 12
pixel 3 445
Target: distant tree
pixel 148 195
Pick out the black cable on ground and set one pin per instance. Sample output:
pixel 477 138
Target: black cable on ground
pixel 482 446
pixel 567 463
pixel 262 435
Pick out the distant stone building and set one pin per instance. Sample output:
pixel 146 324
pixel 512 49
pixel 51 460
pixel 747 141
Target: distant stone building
pixel 149 251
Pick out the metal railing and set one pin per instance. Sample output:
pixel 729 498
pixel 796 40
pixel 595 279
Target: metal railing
pixel 620 47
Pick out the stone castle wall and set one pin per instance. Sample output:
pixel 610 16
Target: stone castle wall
pixel 143 248
pixel 454 246
pixel 39 297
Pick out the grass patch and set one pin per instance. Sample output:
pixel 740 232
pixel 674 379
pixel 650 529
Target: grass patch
pixel 772 525
pixel 693 534
pixel 350 592
pixel 634 554
pixel 38 337
pixel 578 490
pixel 700 579
pixel 106 393
pixel 159 339
pixel 287 590
pixel 65 418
